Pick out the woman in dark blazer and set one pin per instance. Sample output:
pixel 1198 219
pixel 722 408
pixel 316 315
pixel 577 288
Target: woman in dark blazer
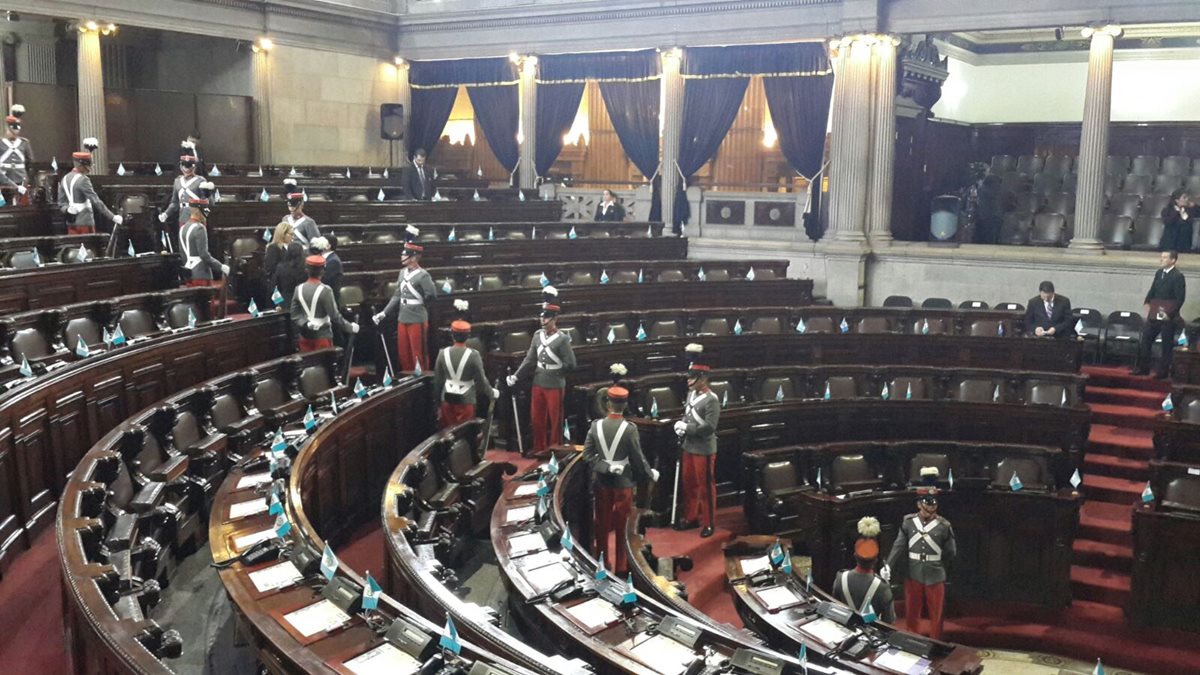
pixel 608 210
pixel 284 262
pixel 1177 222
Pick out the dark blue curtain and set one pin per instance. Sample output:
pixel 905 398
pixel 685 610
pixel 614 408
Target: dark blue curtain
pixel 557 105
pixel 801 58
pixel 633 109
pixel 610 66
pixel 430 111
pixel 435 85
pixel 709 108
pixel 800 112
pixel 498 112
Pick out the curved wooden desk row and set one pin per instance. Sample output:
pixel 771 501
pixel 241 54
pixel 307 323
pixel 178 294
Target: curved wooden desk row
pixel 46 427
pixel 238 189
pixel 666 392
pixel 1177 433
pixel 1013 544
pixel 56 284
pixel 1185 366
pixel 50 338
pixel 329 494
pixel 147 171
pixel 136 505
pixel 64 248
pixel 1166 538
pixel 30 221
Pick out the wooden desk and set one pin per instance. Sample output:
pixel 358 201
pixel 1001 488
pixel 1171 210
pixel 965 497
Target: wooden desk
pixel 1185 366
pixel 63 284
pixel 1165 589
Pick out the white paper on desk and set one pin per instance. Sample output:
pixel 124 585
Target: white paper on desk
pixel 539 559
pixel 526 543
pixel 546 577
pixel 383 660
pixel 826 631
pixel 661 653
pixel 594 614
pixel 317 617
pixel 526 490
pixel 777 597
pixel 251 480
pixel 247 540
pixel 519 514
pixel 899 661
pixel 276 576
pixel 754 565
pixel 251 507
pixel 295 433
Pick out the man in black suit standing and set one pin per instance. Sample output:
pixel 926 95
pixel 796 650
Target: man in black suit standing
pixel 416 179
pixel 1163 303
pixel 1049 314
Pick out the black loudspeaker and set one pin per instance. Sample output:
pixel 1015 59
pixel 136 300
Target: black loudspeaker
pixel 391 121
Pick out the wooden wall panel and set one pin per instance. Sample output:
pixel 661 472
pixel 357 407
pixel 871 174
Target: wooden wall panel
pixel 52 124
pixel 604 159
pixel 226 127
pixel 169 117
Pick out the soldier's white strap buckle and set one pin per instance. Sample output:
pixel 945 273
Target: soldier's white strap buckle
pixel 693 399
pixel 310 310
pixel 70 190
pixel 190 261
pixel 407 287
pixel 13 148
pixel 186 189
pixel 296 231
pixel 410 301
pixel 547 358
pixel 925 557
pixel 862 609
pixel 922 534
pixel 606 449
pixel 455 384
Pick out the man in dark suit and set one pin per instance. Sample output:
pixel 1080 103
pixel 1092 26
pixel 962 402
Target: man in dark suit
pixel 1049 314
pixel 417 179
pixel 1163 303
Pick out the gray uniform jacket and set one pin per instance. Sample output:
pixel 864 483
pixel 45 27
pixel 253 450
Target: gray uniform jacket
pixel 323 310
pixel 76 188
pixel 859 585
pixel 604 448
pixel 926 546
pixel 451 359
pixel 701 412
pixel 15 158
pixel 549 358
pixel 305 229
pixel 414 289
pixel 184 189
pixel 193 239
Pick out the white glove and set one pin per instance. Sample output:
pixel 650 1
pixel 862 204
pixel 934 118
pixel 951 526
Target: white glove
pixel 377 318
pixel 495 393
pixel 680 428
pixel 21 189
pixel 885 573
pixel 654 475
pixel 354 328
pixel 162 217
pixel 74 209
pixel 616 469
pixel 224 270
pixel 313 325
pixel 511 380
pixel 118 220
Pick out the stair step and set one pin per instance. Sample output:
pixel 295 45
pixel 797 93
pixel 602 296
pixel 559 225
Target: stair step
pixel 1109 489
pixel 1107 523
pixel 1119 377
pixel 1120 396
pixel 1101 555
pixel 1124 416
pixel 1100 585
pixel 1116 467
pixel 1120 441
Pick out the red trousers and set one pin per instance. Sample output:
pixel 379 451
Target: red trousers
pixel 546 417
pixel 916 595
pixel 612 507
pixel 410 345
pixel 699 488
pixel 313 344
pixel 81 229
pixel 455 413
pixel 200 283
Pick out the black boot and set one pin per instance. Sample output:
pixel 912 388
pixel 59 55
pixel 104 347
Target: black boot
pixel 707 532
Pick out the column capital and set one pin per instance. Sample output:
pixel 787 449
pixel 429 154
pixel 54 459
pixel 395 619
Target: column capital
pixel 1100 30
pixel 868 39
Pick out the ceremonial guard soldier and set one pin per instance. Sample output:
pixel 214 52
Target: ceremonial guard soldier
pixel 76 196
pixel 549 357
pixel 193 239
pixel 185 188
pixel 459 378
pixel 414 290
pixel 303 227
pixel 15 157
pixel 614 452
pixel 928 541
pixel 314 310
pixel 865 592
pixel 698 433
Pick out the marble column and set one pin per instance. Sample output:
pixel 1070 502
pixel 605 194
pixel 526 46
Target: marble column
pixel 90 90
pixel 883 141
pixel 672 127
pixel 851 143
pixel 1093 140
pixel 528 126
pixel 260 82
pixel 404 98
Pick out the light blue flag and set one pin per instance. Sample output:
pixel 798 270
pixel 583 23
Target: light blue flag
pixel 787 564
pixel 282 525
pixel 1099 669
pixel 1079 327
pixel 801 327
pixel 121 169
pixel 808 581
pixel 371 593
pixel 385 172
pixel 264 197
pixel 25 370
pixel 329 563
pixel 567 542
pixel 359 390
pixel 925 327
pixel 379 197
pixel 1064 398
pixel 604 276
pixel 274 507
pixel 449 638
pixel 417 369
pixel 737 327
pixel 491 234
pixel 266 234
pixel 542 508
pixel 908 392
pixel 333 404
pixel 869 615
pixel 996 395
pixel 277 297
pixel 533 232
pixel 292 173
pixel 777 553
pixel 310 420
pixel 725 398
pixel 1076 479
pixel 387 377
pixel 601 573
pixel 453 236
pixel 191 318
pixel 612 335
pixel 217 196
pixel 1183 340
pixel 640 277
pixel 278 444
pixel 54 163
pixel 649 230
pixel 37 258
pixel 3 201
pixel 566 430
pixel 348 172
pixel 750 274
pixel 1015 482
pixel 521 195
pixel 653 408
pixel 950 477
pixel 572 234
pixel 81 349
pixel 1000 329
pixel 479 172
pixel 447 288
pixel 215 171
pixel 157 169
pixel 253 308
pixel 630 595
pixel 886 393
pixel 701 275
pixel 543 280
pixel 118 336
pixel 1167 404
pixel 818 477
pixel 83 253
pixel 552 465
pixel 804 658
pixel 641 332
pixel 543 488
pixel 1147 494
pixel 779 393
pixel 828 394
pixel 106 337
pixel 844 326
pixel 129 249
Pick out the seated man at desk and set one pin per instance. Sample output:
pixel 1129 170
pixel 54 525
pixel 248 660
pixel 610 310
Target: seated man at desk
pixel 1049 314
pixel 860 588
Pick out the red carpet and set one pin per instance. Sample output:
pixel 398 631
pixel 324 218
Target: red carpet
pixel 31 642
pixel 706 586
